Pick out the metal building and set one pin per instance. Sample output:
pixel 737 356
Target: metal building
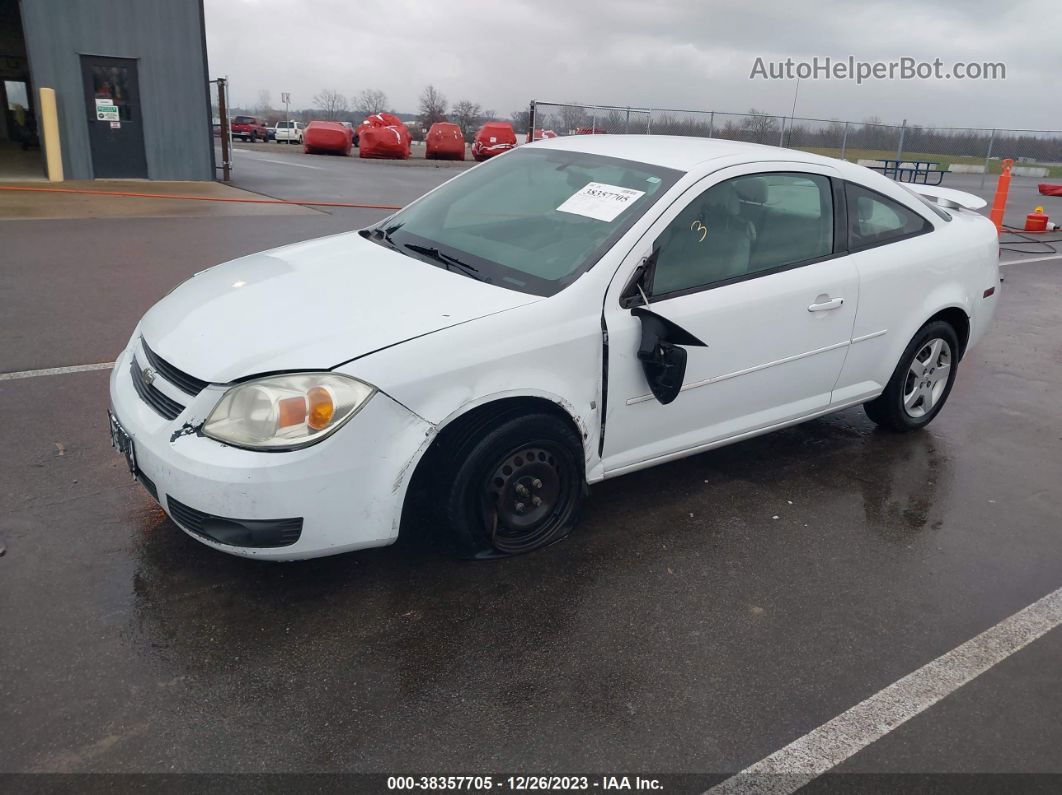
pixel 131 87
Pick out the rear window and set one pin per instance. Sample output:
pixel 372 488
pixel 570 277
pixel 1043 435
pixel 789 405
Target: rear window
pixel 244 120
pixel 283 125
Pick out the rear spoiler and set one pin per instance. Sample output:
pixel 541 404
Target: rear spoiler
pixel 946 197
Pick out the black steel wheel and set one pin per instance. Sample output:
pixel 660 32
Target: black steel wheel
pixel 517 486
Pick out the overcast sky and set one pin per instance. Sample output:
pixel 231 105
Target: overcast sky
pixel 658 53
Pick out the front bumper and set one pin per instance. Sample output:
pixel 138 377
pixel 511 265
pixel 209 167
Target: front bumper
pixel 347 490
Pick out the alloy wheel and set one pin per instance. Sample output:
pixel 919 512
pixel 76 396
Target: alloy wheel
pixel 927 378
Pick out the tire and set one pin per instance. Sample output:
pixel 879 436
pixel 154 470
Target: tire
pixel 920 384
pixel 501 466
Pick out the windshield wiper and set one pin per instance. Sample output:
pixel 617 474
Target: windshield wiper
pixel 381 233
pixel 445 260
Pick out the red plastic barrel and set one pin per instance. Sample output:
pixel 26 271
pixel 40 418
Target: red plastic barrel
pixel 1036 222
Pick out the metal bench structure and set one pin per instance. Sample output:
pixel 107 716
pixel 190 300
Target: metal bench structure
pixel 919 172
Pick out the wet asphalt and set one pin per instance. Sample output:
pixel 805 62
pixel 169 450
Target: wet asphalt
pixel 704 614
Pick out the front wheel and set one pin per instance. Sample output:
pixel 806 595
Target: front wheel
pixel 516 488
pixel 922 381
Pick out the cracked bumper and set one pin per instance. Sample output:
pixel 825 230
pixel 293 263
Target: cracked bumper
pixel 348 489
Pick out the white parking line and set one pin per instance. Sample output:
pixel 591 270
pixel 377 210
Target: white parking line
pixel 1032 259
pixel 787 770
pixel 76 368
pixel 258 157
pixel 286 163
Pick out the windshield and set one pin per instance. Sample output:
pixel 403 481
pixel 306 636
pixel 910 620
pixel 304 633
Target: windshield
pixel 533 220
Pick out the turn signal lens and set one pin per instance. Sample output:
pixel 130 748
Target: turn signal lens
pixel 321 408
pixel 286 411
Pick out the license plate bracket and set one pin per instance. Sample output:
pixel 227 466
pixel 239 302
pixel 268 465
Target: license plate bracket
pixel 123 443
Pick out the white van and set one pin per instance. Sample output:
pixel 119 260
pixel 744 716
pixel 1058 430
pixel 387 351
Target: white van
pixel 290 131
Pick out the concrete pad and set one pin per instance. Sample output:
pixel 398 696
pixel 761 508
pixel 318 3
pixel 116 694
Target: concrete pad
pixel 19 164
pixel 54 200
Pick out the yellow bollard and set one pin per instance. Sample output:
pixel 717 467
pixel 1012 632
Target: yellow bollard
pixel 53 154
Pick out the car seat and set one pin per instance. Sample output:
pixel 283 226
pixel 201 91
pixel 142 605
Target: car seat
pixel 708 242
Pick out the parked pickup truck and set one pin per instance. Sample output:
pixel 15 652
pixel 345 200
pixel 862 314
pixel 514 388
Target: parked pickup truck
pixel 249 128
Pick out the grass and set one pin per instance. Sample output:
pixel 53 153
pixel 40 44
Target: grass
pixel 853 154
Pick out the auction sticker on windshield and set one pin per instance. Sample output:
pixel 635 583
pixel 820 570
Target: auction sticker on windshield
pixel 600 201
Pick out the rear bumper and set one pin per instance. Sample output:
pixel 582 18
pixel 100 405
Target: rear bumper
pixel 345 493
pixel 984 311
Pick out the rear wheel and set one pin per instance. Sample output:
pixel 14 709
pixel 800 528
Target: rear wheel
pixel 517 486
pixel 922 381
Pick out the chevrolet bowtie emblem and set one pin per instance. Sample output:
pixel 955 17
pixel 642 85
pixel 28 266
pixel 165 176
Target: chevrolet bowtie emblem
pixel 148 375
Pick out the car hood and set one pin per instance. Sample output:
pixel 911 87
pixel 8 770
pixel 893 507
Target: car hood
pixel 311 306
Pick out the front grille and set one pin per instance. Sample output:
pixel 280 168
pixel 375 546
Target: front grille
pixel 180 379
pixel 164 405
pixel 188 518
pixel 236 532
pixel 147 483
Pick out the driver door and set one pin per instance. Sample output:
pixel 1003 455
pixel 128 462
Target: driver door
pixel 749 285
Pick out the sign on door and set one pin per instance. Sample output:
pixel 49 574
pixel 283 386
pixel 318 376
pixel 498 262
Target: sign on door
pixel 106 110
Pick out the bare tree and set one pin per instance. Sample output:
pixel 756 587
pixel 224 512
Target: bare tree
pixel 758 125
pixel 521 120
pixel 432 106
pixel 572 117
pixel 489 115
pixel 466 115
pixel 371 101
pixel 331 103
pixel 265 104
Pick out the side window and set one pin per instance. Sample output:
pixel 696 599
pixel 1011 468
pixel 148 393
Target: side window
pixel 874 219
pixel 745 226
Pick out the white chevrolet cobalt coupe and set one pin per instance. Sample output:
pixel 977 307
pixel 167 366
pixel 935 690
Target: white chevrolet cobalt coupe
pixel 571 311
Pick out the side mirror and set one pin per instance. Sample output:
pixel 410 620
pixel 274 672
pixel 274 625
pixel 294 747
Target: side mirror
pixel 663 361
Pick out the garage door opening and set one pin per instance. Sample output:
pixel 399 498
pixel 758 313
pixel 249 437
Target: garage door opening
pixel 20 146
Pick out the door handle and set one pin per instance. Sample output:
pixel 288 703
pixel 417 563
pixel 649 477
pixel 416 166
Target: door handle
pixel 824 306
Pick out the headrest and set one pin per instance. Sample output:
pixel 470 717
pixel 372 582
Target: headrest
pixel 864 208
pixel 751 189
pixel 723 199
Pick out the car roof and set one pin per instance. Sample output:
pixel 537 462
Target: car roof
pixel 679 152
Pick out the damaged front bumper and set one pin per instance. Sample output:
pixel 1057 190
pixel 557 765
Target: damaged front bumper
pixel 342 494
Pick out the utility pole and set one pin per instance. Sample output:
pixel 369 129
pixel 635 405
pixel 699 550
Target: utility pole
pixel 792 113
pixel 223 112
pixel 899 148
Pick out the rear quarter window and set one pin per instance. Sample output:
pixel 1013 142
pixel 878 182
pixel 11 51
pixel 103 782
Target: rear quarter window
pixel 875 219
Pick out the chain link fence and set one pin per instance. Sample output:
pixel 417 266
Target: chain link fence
pixel 1036 153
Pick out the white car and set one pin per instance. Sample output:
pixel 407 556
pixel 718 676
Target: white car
pixel 289 132
pixel 571 311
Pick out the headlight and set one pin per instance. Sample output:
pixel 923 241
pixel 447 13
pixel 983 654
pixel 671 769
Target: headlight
pixel 286 411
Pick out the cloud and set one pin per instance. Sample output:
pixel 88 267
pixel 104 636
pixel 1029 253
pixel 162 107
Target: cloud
pixel 667 53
